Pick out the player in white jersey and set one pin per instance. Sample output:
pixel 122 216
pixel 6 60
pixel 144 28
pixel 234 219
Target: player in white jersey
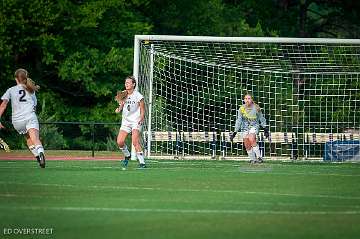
pixel 133 113
pixel 24 119
pixel 248 122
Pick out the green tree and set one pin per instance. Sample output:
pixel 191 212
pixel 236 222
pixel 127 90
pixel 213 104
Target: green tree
pixel 77 52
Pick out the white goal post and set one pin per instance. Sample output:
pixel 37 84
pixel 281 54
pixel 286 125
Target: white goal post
pixel 308 89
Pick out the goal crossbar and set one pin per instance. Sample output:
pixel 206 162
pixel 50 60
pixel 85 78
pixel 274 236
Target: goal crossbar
pixel 245 39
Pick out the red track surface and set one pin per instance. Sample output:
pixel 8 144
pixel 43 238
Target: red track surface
pixel 19 157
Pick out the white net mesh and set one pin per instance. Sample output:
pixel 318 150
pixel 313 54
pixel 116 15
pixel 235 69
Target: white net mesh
pixel 309 94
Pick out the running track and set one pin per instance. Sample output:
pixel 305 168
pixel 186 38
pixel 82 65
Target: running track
pixel 64 157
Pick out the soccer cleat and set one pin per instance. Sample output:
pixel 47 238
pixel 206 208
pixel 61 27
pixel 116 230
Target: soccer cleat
pixel 258 160
pixel 142 165
pixel 42 160
pixel 125 162
pixel 38 159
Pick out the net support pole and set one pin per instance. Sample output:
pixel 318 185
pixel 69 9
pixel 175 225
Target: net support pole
pixel 151 76
pixel 136 64
pixel 136 67
pixel 93 140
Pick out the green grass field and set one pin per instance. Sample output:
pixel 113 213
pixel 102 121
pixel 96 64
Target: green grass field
pixel 181 199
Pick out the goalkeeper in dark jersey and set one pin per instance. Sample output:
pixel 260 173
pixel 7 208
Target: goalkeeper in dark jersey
pixel 249 121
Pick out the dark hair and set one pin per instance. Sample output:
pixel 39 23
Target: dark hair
pixel 132 78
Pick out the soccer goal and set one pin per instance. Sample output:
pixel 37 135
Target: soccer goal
pixel 308 89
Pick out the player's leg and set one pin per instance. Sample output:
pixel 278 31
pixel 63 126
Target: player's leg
pixel 30 129
pixel 123 132
pixel 255 147
pixel 33 134
pixel 247 144
pixel 32 147
pixel 136 142
pixel 249 150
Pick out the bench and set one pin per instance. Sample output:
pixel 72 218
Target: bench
pixel 220 141
pixel 317 138
pixel 216 140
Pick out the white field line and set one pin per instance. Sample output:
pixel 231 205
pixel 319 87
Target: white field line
pixel 174 200
pixel 312 173
pixel 102 187
pixel 183 211
pixel 246 170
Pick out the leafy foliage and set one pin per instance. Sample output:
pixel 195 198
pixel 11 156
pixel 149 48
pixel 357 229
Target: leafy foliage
pixel 79 52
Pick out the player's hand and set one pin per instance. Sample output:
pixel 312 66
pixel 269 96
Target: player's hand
pixel 232 136
pixel 141 121
pixel 2 126
pixel 121 105
pixel 266 133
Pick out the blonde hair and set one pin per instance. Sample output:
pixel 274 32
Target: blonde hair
pixel 23 77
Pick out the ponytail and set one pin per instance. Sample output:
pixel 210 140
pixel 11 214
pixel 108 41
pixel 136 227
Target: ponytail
pixel 23 77
pixel 31 86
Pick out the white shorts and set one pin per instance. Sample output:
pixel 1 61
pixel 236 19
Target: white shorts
pixel 252 130
pixel 22 127
pixel 129 126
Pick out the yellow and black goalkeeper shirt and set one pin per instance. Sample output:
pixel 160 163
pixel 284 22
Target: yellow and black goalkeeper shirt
pixel 249 117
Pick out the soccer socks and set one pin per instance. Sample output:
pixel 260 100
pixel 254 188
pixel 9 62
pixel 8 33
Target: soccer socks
pixel 252 155
pixel 39 149
pixel 125 151
pixel 41 157
pixel 33 150
pixel 256 151
pixel 140 157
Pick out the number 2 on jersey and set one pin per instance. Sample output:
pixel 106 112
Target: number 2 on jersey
pixel 23 94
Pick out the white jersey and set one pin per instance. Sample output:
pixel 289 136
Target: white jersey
pixel 23 103
pixel 131 109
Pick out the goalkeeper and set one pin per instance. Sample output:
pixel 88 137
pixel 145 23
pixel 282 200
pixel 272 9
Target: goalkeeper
pixel 249 121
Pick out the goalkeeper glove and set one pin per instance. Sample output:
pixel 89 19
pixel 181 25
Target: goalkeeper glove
pixel 232 136
pixel 266 133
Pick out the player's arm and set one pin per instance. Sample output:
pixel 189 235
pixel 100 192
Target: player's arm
pixel 262 121
pixel 35 101
pixel 121 106
pixel 142 111
pixel 3 106
pixel 120 98
pixel 238 124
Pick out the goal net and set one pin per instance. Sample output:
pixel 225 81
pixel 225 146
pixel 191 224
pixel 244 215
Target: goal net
pixel 308 90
